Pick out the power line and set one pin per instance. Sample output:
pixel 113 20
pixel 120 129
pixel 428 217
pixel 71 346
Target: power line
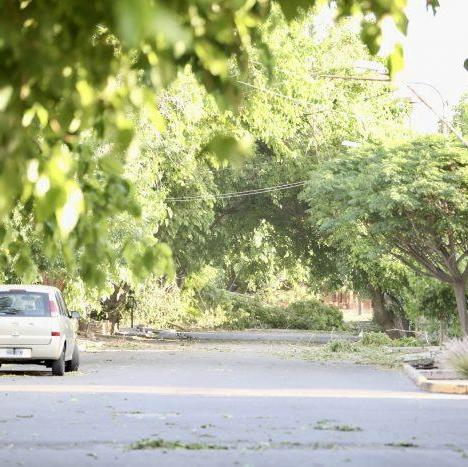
pixel 364 78
pixel 305 102
pixel 441 118
pixel 278 94
pixel 356 78
pixel 239 194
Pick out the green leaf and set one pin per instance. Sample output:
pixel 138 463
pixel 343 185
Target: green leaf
pixel 401 21
pixel 227 148
pixel 371 35
pixel 434 4
pixel 86 93
pixel 42 115
pixel 68 215
pixel 111 164
pixel 213 58
pixel 395 60
pixel 5 95
pixel 28 117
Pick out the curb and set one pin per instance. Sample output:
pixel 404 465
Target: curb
pixel 446 386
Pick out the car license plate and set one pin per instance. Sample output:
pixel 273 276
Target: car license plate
pixel 15 353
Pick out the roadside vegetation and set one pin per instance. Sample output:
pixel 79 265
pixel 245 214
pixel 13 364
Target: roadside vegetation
pixel 374 348
pixel 455 356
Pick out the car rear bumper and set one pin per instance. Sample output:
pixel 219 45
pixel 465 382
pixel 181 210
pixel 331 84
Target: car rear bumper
pixel 49 351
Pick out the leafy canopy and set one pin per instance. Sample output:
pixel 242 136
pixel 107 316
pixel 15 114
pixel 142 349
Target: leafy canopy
pixel 71 75
pixel 408 199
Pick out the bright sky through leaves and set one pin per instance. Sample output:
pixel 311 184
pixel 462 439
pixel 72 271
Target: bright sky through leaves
pixel 435 49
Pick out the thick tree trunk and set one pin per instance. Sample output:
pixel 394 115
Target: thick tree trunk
pixel 381 315
pixel 394 325
pixel 459 288
pixel 114 305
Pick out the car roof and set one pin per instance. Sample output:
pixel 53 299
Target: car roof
pixel 29 288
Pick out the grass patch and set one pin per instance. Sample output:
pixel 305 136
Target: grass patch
pixel 330 425
pixel 353 353
pixel 373 349
pixel 163 444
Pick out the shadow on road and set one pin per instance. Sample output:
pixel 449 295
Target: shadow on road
pixel 12 372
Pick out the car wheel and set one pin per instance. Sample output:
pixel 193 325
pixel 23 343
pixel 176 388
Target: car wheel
pixel 58 366
pixel 74 363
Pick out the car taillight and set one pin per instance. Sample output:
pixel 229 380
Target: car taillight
pixel 53 308
pixel 55 333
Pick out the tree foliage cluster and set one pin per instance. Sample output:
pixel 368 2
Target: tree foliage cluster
pixel 124 127
pixel 75 77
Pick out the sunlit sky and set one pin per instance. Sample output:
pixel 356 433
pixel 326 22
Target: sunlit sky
pixel 435 49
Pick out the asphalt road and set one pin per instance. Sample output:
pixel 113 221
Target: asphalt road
pixel 225 404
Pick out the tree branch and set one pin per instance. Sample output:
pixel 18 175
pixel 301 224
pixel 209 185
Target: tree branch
pixel 433 270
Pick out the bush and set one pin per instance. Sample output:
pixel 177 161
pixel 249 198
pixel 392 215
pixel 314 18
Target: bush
pixel 378 339
pixel 431 306
pixel 408 341
pixel 313 314
pixel 455 355
pixel 243 311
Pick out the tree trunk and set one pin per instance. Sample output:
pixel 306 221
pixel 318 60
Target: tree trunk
pixel 460 296
pixel 381 315
pixel 385 317
pixel 114 305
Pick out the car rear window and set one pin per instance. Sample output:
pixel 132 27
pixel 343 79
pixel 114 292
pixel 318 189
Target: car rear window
pixel 22 303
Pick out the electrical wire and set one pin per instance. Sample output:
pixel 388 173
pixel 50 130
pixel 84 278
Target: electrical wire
pixel 239 194
pixel 303 102
pixel 364 78
pixel 440 117
pixel 257 191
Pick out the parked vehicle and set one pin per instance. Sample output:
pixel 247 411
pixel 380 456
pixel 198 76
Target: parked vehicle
pixel 37 328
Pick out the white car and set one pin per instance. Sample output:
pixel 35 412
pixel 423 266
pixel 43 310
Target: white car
pixel 37 328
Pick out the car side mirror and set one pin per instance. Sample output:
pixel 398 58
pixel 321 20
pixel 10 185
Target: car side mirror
pixel 75 315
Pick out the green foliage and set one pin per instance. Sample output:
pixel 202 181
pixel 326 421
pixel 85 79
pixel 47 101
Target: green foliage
pixel 247 312
pixel 159 443
pixel 71 109
pixel 404 194
pixel 341 346
pixel 432 300
pixel 298 118
pixel 201 304
pixel 406 199
pixel 387 355
pixel 312 314
pixel 376 339
pixel 129 104
pixel 332 426
pixel 372 339
pixel 460 117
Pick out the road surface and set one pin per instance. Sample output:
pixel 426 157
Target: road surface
pixel 245 404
